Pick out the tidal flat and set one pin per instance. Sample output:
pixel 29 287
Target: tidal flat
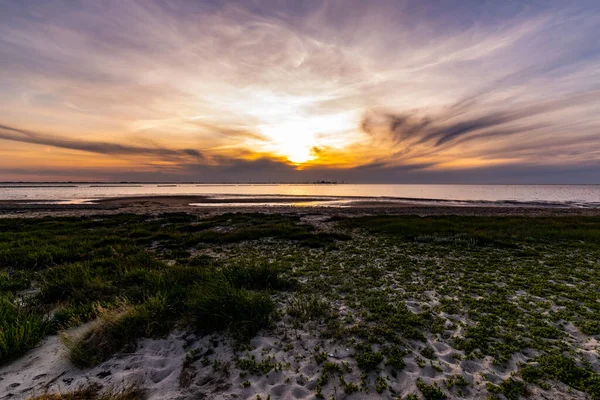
pixel 304 305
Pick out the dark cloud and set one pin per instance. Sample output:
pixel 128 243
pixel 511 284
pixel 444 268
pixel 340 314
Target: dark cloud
pixel 26 136
pixel 264 170
pixel 467 120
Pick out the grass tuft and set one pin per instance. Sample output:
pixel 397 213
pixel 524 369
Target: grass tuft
pixel 21 328
pixel 94 392
pixel 308 308
pixel 118 330
pixel 218 305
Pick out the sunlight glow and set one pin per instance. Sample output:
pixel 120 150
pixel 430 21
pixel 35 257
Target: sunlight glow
pixel 292 139
pixel 339 90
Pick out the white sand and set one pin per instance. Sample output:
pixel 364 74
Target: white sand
pixel 157 364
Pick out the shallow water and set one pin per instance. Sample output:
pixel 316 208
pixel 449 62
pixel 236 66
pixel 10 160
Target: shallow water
pixel 500 195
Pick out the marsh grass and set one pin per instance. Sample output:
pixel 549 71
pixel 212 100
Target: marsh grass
pixel 565 369
pixel 497 231
pixel 15 281
pixel 483 286
pixel 367 359
pixel 95 392
pixel 219 305
pixel 511 388
pixel 65 317
pixel 21 328
pixel 118 330
pixel 308 307
pixel 104 268
pixel 255 276
pixel 430 392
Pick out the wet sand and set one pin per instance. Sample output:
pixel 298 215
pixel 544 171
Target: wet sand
pixel 280 204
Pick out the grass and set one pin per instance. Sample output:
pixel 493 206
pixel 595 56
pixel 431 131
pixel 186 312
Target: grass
pixel 220 305
pixel 390 289
pixel 118 331
pixel 95 392
pixel 430 392
pixel 367 359
pixel 565 369
pixel 21 328
pixel 499 231
pixel 308 307
pixel 255 367
pixel 511 388
pixel 82 265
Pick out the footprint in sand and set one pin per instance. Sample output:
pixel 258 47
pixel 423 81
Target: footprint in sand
pixel 159 375
pixel 300 393
pixel 278 391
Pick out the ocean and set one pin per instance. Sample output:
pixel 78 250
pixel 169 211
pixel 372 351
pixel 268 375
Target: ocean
pixel 583 196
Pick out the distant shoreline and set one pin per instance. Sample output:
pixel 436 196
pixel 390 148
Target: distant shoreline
pixel 202 204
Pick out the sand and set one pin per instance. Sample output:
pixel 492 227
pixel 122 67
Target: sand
pixel 159 365
pixel 204 205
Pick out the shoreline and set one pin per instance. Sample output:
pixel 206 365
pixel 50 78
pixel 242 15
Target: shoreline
pixel 209 205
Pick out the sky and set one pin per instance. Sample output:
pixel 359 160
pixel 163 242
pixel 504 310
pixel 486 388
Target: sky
pixel 381 91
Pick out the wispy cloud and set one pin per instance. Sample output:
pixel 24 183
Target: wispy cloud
pixel 336 84
pixel 25 136
pixel 467 121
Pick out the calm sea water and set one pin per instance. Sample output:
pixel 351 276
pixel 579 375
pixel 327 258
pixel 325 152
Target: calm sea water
pixel 549 195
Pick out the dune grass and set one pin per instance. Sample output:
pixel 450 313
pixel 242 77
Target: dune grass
pixel 481 287
pixel 96 392
pixel 21 328
pixel 82 265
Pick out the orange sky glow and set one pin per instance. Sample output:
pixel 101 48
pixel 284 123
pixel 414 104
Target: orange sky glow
pixel 98 88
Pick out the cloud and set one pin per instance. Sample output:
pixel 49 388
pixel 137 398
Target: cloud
pixel 470 122
pixel 264 170
pixel 25 136
pixel 347 82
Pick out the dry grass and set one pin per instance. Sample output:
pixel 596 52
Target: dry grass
pixel 95 392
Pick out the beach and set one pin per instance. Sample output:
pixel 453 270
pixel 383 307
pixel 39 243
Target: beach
pixel 207 205
pixel 310 200
pixel 153 297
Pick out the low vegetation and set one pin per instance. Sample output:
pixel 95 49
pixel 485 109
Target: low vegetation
pixel 21 328
pixel 434 293
pixel 96 392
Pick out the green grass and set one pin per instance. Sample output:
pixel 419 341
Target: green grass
pixel 15 281
pixel 389 289
pixel 511 389
pixel 218 305
pixel 82 265
pixel 255 277
pixel 308 307
pixel 367 359
pixel 21 328
pixel 499 231
pixel 562 368
pixel 430 392
pixel 254 367
pixel 118 330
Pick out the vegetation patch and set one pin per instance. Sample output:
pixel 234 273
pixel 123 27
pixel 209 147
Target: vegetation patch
pixel 388 290
pixel 430 392
pixel 95 392
pixel 21 328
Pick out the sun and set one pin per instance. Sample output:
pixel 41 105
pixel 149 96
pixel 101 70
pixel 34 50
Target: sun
pixel 294 126
pixel 294 140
